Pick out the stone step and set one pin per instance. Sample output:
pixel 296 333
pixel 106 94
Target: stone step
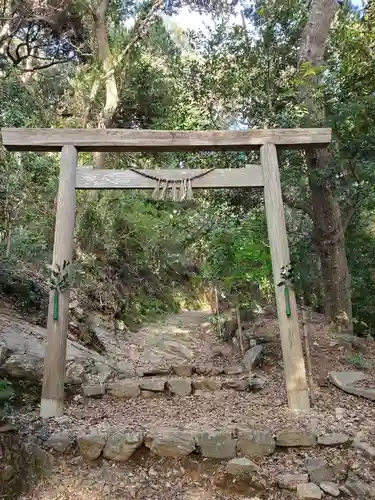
pixel 239 451
pixel 186 370
pixel 252 358
pixel 175 386
pixel 225 443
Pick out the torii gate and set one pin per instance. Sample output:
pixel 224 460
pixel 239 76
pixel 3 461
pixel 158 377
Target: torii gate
pixel 72 141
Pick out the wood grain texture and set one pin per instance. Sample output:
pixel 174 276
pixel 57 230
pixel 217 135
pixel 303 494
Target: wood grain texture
pixel 89 178
pixel 24 139
pixel 54 361
pixel 294 365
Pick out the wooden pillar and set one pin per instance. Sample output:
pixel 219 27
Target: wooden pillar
pixel 291 344
pixel 52 403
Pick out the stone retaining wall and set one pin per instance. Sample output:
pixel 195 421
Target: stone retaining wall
pixel 173 442
pixel 238 445
pixel 175 386
pixel 20 463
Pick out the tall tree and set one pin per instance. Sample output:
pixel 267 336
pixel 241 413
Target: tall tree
pixel 329 233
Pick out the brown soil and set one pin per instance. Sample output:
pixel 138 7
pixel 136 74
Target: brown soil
pixel 153 478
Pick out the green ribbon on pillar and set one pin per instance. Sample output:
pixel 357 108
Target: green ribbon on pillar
pixel 287 279
pixel 59 282
pixel 56 305
pixel 287 301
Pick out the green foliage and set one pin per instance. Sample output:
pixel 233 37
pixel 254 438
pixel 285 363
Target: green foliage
pixel 6 390
pixel 358 361
pixel 135 258
pixel 130 256
pixel 238 255
pixel 361 249
pixel 7 395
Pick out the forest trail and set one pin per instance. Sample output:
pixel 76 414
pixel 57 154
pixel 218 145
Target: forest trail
pixel 151 475
pixel 184 337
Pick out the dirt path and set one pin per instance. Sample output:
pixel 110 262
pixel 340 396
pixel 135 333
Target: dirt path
pixel 187 336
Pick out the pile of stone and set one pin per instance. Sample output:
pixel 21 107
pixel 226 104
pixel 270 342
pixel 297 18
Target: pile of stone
pixel 186 379
pixel 240 445
pixel 172 442
pixel 175 386
pixel 321 479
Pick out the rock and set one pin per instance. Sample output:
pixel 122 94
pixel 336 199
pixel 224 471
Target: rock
pixel 253 443
pixel 207 369
pixel 340 470
pixel 42 458
pixel 183 370
pixel 24 366
pixel 234 370
pixel 150 394
pixel 314 463
pixel 359 489
pixel 291 481
pixel 221 351
pixel 308 491
pixel 4 353
pixel 153 385
pixel 339 412
pixel 207 384
pixel 102 371
pixel 334 439
pixel 366 448
pixel 121 446
pixel 345 492
pixel 216 370
pixel 63 420
pixel 180 386
pixel 154 371
pixel 178 350
pixel 203 394
pixel 321 475
pixel 295 437
pixel 27 342
pixel 330 488
pixel 124 389
pixel 236 384
pixel 171 443
pixel 348 340
pixel 346 380
pixel 120 326
pixel 75 374
pixel 60 442
pixel 6 473
pixel 217 444
pixel 93 390
pixel 252 357
pixel 256 382
pixel 91 445
pixel 241 466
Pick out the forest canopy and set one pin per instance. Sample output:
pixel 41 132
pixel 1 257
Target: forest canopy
pixel 110 64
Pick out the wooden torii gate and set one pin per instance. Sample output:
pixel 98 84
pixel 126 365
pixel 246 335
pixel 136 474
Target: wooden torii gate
pixel 72 141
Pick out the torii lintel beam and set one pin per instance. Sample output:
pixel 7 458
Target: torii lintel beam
pixel 112 140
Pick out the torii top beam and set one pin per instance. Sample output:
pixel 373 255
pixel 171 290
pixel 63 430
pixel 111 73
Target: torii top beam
pixel 112 140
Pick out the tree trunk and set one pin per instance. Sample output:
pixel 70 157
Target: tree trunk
pixel 328 226
pixel 109 66
pixel 105 57
pixel 329 238
pixel 8 238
